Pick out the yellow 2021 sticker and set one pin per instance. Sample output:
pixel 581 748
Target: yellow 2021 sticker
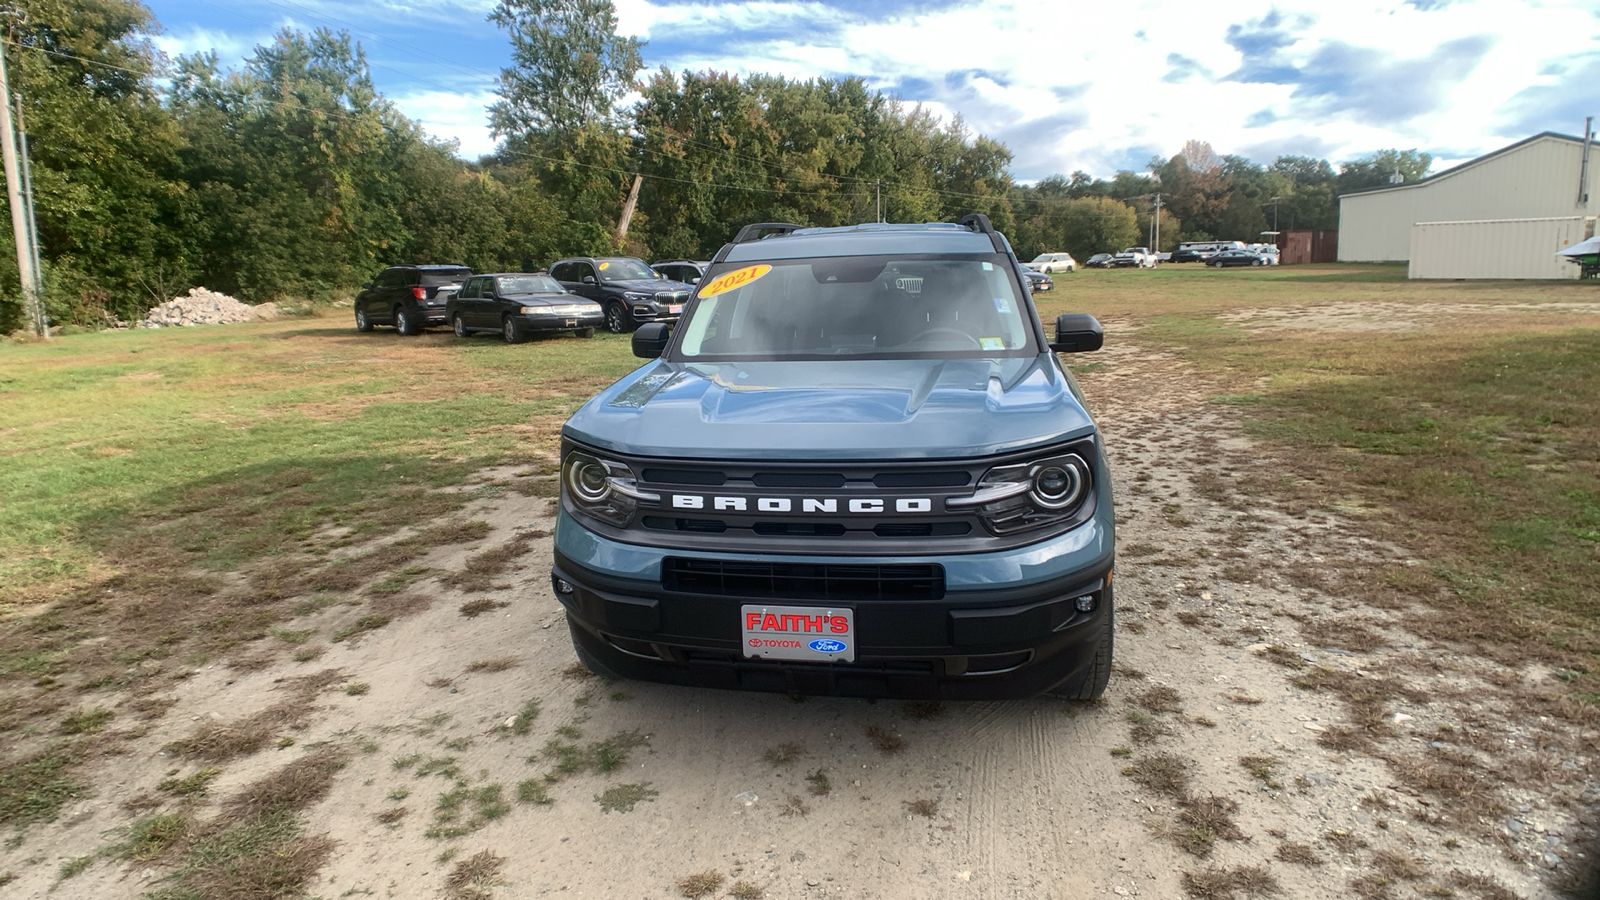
pixel 604 266
pixel 738 278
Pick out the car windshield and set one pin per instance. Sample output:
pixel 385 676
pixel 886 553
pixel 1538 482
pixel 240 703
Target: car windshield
pixel 877 307
pixel 528 284
pixel 626 270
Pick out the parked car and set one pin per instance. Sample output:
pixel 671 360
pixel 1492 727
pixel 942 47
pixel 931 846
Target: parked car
pixel 1200 251
pixel 517 304
pixel 1038 281
pixel 629 291
pixel 688 271
pixel 1236 258
pixel 1133 257
pixel 1187 253
pixel 1051 263
pixel 800 491
pixel 1099 261
pixel 1269 251
pixel 408 297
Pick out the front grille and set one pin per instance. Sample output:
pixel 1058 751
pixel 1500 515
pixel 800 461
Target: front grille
pixel 672 296
pixel 803 581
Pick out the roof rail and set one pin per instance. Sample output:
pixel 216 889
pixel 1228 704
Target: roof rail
pixel 754 231
pixel 977 222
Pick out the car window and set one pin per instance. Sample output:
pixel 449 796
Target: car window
pixel 528 284
pixel 391 278
pixel 879 307
pixel 625 269
pixel 470 291
pixel 436 277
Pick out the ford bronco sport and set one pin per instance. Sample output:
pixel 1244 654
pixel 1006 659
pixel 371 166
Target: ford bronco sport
pixel 855 467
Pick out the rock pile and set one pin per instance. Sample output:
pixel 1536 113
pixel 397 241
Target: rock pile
pixel 203 307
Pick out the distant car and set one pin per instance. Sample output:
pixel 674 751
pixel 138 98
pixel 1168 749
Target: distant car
pixel 517 304
pixel 1268 251
pixel 1133 257
pixel 1236 258
pixel 1186 253
pixel 1099 261
pixel 629 291
pixel 408 297
pixel 1039 281
pixel 1051 263
pixel 688 271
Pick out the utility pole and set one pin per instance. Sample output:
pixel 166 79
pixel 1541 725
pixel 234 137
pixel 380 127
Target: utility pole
pixel 877 187
pixel 627 209
pixel 1155 227
pixel 33 220
pixel 1274 202
pixel 19 215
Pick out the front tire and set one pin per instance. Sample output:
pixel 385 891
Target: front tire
pixel 511 331
pixel 616 318
pixel 404 323
pixel 1255 262
pixel 1093 685
pixel 363 324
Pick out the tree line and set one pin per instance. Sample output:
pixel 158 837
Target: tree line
pixel 293 177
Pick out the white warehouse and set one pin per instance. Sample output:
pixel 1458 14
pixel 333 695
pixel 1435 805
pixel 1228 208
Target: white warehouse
pixel 1547 182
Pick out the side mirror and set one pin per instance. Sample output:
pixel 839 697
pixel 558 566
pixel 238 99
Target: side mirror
pixel 366 285
pixel 588 279
pixel 650 341
pixel 1077 333
pixel 693 279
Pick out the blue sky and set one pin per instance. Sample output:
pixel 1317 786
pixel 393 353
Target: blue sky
pixel 1064 90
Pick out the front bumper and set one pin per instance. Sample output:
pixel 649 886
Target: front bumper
pixel 542 322
pixel 975 641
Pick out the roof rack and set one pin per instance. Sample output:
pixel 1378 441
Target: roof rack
pixel 754 231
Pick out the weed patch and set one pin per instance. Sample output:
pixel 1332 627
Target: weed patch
pixel 786 754
pixel 1163 773
pixel 475 877
pixel 464 809
pixel 887 742
pixel 624 797
pixel 33 788
pixel 700 884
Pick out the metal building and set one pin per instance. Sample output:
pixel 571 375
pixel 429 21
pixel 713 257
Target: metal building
pixel 1498 248
pixel 1546 176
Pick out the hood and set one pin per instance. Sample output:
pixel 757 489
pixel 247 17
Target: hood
pixel 859 409
pixel 648 285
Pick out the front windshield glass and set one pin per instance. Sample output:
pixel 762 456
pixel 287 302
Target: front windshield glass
pixel 529 284
pixel 626 270
pixel 873 307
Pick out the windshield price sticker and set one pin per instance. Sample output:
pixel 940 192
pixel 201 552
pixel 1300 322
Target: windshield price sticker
pixel 734 280
pixel 806 633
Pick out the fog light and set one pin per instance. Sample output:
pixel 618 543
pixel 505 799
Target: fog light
pixel 1084 603
pixel 563 587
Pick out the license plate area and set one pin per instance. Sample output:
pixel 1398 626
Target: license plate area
pixel 803 633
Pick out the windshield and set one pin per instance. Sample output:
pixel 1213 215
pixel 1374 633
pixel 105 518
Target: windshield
pixel 435 278
pixel 626 270
pixel 873 307
pixel 528 284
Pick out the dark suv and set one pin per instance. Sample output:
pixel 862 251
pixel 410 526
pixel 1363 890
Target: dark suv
pixel 856 467
pixel 408 297
pixel 688 271
pixel 630 291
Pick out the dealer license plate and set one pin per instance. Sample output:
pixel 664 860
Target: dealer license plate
pixel 807 633
pixel 675 308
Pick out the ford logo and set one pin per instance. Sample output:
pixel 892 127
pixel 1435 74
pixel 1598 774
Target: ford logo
pixel 826 646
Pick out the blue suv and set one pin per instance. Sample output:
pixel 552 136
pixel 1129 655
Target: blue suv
pixel 856 467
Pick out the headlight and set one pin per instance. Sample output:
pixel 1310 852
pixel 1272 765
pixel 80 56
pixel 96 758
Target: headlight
pixel 636 297
pixel 603 488
pixel 564 309
pixel 1030 495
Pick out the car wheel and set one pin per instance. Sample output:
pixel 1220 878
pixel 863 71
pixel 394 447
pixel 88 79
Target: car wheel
pixel 584 332
pixel 616 318
pixel 1092 685
pixel 1255 262
pixel 362 322
pixel 511 330
pixel 459 324
pixel 403 322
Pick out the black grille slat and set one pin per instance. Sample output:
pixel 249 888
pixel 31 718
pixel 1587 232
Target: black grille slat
pixel 798 480
pixel 921 479
pixel 803 581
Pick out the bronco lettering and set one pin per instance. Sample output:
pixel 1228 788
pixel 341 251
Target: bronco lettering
pixel 857 505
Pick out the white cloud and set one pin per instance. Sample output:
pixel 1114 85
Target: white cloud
pixel 231 47
pixel 452 116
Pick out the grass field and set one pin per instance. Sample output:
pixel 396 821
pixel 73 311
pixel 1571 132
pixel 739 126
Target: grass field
pixel 179 494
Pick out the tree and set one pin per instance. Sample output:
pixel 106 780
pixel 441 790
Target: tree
pixel 111 203
pixel 569 66
pixel 1376 169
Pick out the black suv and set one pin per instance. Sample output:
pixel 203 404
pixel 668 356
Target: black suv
pixel 408 297
pixel 629 291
